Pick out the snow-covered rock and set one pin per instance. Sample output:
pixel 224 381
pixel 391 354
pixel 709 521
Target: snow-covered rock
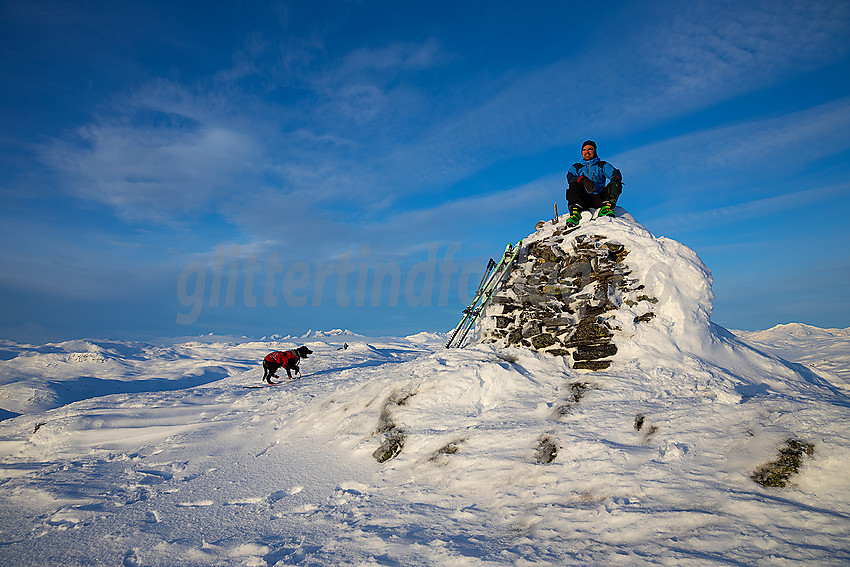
pixel 581 293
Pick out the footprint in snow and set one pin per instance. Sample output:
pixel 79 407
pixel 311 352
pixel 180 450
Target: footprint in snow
pixel 138 494
pixel 245 501
pixel 131 559
pixel 64 519
pixel 281 494
pixel 154 476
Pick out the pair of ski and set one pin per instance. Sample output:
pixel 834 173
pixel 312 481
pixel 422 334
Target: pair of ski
pixel 490 283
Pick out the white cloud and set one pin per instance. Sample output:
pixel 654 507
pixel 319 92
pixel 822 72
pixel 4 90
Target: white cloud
pixel 361 131
pixel 698 53
pixel 772 145
pixel 394 58
pixel 747 211
pixel 154 172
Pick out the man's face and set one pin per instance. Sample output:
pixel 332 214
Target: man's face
pixel 588 152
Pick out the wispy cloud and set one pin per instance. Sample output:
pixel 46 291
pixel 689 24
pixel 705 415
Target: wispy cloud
pixel 779 146
pixel 699 53
pixel 385 62
pixel 365 131
pixel 154 172
pixel 748 211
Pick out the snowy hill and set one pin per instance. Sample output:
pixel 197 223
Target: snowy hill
pixel 332 333
pixel 827 350
pixel 492 454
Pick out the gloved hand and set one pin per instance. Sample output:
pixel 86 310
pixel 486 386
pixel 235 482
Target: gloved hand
pixel 614 189
pixel 588 185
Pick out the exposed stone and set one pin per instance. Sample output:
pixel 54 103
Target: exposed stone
pixel 578 268
pixel 594 352
pixel 515 336
pixel 531 329
pixel 449 448
pixel 556 290
pixel 640 421
pixel 543 340
pixel 588 331
pixel 618 251
pixel 542 252
pixel 593 311
pixel 578 390
pixel 779 472
pixel 391 446
pixel 393 441
pixel 557 352
pixel 645 317
pixel 592 365
pixel 554 300
pixel 547 450
pixel 558 321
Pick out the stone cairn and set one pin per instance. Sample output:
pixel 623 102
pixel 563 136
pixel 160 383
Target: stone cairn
pixel 560 296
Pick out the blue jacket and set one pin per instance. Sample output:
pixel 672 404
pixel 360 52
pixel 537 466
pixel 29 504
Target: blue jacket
pixel 596 170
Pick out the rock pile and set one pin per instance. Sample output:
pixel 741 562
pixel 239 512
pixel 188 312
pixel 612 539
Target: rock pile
pixel 561 294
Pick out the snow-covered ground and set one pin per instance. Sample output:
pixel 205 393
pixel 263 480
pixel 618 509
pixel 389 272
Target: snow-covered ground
pixel 824 349
pixel 123 453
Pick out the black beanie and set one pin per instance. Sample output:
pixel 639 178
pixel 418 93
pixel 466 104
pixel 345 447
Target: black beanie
pixel 589 143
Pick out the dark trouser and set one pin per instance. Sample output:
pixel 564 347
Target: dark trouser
pixel 576 196
pixel 269 370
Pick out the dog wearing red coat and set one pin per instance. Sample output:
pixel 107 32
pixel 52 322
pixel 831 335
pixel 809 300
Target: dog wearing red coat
pixel 288 360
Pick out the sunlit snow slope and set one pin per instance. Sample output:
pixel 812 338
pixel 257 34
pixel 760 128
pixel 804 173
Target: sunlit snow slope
pixel 509 457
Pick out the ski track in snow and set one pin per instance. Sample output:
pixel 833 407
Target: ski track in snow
pixel 652 467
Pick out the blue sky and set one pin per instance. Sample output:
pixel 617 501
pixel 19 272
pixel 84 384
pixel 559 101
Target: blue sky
pixel 249 168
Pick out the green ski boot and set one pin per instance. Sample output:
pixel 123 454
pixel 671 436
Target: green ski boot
pixel 606 210
pixel 574 218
